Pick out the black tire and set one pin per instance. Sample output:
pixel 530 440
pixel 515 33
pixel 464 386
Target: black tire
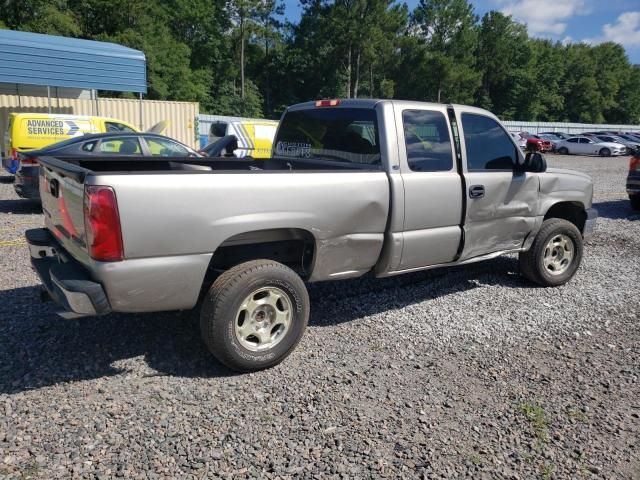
pixel 563 151
pixel 605 152
pixel 532 262
pixel 635 201
pixel 219 312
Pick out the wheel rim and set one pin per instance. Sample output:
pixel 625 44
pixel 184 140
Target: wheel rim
pixel 263 319
pixel 558 254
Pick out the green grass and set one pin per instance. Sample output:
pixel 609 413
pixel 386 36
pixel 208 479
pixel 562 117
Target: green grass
pixel 577 415
pixel 546 471
pixel 537 417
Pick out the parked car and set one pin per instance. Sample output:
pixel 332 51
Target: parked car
pixel 96 145
pixel 558 135
pixel 633 180
pixel 631 146
pixel 583 145
pixel 536 143
pixel 631 137
pixel 30 131
pixel 550 138
pixel 344 194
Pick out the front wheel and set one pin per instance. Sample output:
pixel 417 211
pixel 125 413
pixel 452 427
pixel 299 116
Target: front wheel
pixel 605 152
pixel 254 315
pixel 555 255
pixel 635 201
pixel 563 151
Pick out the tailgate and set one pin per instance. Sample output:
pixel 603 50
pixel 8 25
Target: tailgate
pixel 62 194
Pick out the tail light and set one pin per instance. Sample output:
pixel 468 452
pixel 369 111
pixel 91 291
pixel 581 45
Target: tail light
pixel 634 163
pixel 328 103
pixel 102 224
pixel 14 154
pixel 29 161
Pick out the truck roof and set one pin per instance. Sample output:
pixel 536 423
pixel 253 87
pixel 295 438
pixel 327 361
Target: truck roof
pixel 372 102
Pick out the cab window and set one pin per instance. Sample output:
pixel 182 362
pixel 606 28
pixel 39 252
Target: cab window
pixel 346 135
pixel 488 145
pixel 427 141
pixel 125 146
pixel 585 140
pixel 573 140
pixel 161 147
pixel 117 127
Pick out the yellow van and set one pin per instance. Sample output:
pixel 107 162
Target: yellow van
pixel 28 131
pixel 255 137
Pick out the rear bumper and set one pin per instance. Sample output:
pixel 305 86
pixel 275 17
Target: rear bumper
pixel 67 281
pixel 590 224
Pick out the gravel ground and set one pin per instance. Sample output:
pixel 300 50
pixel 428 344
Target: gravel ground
pixel 465 372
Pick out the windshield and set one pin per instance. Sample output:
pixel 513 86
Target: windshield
pixel 334 134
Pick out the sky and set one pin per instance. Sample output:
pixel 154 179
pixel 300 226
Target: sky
pixel 591 21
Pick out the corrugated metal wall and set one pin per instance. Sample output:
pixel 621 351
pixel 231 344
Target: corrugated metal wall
pixel 572 128
pixel 181 116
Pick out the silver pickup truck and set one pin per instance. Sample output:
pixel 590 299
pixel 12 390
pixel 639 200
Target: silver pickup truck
pixel 352 187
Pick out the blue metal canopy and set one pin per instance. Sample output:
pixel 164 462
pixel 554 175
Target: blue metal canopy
pixel 36 59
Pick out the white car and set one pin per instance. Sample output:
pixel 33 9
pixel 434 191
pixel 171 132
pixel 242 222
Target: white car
pixel 589 146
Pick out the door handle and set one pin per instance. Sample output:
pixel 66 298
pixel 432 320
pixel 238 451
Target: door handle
pixel 476 191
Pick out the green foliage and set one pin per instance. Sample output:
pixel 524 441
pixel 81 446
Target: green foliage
pixel 230 101
pixel 239 57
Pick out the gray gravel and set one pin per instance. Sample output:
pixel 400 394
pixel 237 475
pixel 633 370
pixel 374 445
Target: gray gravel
pixel 450 373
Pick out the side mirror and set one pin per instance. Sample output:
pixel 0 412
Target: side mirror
pixel 534 162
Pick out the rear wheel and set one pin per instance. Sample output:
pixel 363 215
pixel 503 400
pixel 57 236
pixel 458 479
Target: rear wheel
pixel 555 255
pixel 635 201
pixel 254 315
pixel 605 152
pixel 563 151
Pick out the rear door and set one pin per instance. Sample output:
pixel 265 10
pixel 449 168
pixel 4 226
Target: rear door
pixel 432 186
pixel 501 200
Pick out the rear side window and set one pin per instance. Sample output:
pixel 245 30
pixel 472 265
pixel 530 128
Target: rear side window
pixel 218 130
pixel 427 140
pixel 348 135
pixel 89 146
pixel 488 145
pixel 127 146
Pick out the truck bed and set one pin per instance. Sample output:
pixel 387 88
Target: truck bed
pixel 129 164
pixel 174 220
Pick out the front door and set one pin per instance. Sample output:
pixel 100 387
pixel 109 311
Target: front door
pixel 501 201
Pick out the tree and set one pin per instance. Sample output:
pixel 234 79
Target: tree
pixel 443 38
pixel 503 56
pixel 229 101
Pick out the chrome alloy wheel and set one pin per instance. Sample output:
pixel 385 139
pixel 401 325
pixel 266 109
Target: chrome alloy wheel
pixel 263 319
pixel 558 254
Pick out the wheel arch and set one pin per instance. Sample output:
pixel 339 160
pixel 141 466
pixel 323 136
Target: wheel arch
pixel 572 211
pixel 294 247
